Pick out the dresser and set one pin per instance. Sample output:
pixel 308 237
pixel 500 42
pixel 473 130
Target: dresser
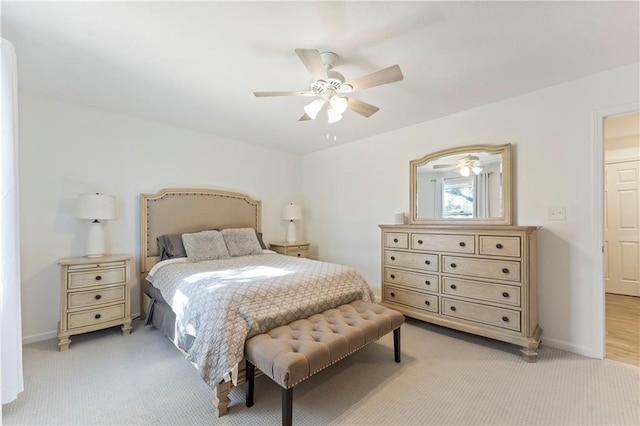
pixel 480 279
pixel 94 294
pixel 291 249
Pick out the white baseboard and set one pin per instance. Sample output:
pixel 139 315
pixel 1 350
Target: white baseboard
pixel 560 344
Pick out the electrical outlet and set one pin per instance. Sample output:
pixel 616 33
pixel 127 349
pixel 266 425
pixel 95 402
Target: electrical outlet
pixel 557 213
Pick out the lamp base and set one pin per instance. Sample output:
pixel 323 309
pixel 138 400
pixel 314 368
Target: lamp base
pixel 95 240
pixel 291 232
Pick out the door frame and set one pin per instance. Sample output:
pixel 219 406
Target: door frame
pixel 597 221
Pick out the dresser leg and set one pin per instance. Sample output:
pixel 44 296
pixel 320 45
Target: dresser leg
pixel 529 355
pixel 63 343
pixel 126 328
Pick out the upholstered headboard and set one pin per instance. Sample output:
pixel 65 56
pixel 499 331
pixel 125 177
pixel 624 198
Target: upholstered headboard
pixel 176 211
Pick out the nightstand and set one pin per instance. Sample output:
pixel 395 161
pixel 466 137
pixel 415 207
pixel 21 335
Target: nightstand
pixel 94 294
pixel 291 249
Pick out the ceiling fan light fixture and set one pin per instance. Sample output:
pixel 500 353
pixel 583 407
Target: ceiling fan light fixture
pixel 476 170
pixel 314 108
pixel 339 103
pixel 465 171
pixel 333 115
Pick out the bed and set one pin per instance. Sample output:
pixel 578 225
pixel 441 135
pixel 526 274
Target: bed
pixel 208 307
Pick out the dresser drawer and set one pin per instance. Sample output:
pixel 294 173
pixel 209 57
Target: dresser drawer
pixel 449 243
pixel 499 317
pixel 499 293
pixel 427 262
pixel 95 316
pixel 96 277
pixel 411 279
pixel 396 240
pixel 80 299
pixel 500 246
pixel 482 268
pixel 422 301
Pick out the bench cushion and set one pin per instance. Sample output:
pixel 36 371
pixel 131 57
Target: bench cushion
pixel 289 354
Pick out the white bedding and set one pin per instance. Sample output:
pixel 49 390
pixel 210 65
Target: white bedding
pixel 223 302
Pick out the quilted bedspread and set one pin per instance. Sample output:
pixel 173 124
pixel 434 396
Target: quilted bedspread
pixel 224 302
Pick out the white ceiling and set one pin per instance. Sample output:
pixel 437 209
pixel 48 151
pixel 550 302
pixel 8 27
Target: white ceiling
pixel 197 64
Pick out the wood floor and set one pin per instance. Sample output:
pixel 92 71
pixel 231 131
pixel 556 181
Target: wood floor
pixel 623 328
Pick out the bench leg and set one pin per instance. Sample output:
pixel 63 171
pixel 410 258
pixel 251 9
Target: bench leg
pixel 396 344
pixel 251 378
pixel 287 407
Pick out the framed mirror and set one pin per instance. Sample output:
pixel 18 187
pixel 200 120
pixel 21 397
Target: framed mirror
pixel 468 184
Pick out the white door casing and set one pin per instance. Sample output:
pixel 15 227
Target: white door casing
pixel 622 228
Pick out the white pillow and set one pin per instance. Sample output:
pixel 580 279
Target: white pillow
pixel 241 241
pixel 205 245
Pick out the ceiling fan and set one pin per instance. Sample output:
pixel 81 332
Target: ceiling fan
pixel 330 87
pixel 465 165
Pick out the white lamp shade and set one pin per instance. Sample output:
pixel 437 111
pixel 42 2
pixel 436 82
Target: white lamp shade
pixel 292 212
pixel 333 116
pixel 96 207
pixel 314 108
pixel 339 103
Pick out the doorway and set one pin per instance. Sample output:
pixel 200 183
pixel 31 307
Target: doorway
pixel 621 237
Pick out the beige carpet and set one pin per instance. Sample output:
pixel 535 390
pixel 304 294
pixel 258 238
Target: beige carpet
pixel 445 378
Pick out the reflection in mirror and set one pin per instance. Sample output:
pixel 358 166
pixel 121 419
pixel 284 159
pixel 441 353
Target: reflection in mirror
pixel 462 184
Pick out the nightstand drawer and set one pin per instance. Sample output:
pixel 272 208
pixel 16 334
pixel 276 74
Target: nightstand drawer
pixel 298 253
pixel 97 277
pixel 95 316
pixel 80 299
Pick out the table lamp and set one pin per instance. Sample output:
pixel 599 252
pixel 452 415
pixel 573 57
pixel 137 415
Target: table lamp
pixel 291 212
pixel 95 207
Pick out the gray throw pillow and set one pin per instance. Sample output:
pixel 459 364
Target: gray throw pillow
pixel 170 246
pixel 205 245
pixel 241 241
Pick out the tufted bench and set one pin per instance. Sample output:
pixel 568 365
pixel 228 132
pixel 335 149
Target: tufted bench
pixel 294 352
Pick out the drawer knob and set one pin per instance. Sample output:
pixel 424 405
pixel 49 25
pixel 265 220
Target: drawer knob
pixel 427 262
pixel 392 294
pixel 98 277
pixel 419 241
pixel 97 316
pixel 395 240
pixel 426 302
pixel 393 277
pixel 505 319
pixel 453 308
pixel 505 294
pixel 393 258
pixel 98 297
pixel 427 282
pixel 298 254
pixel 453 265
pixel 499 246
pixel 462 244
pixel 453 287
pixel 505 271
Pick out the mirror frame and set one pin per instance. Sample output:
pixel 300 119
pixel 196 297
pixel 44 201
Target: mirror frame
pixel 507 199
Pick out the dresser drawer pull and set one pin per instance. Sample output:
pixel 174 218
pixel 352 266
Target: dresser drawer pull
pixel 427 262
pixel 298 254
pixel 453 308
pixel 453 265
pixel 392 294
pixel 419 241
pixel 98 277
pixel 427 282
pixel 505 271
pixel 395 240
pixel 393 277
pixel 462 244
pixel 393 258
pixel 453 287
pixel 505 319
pixel 505 294
pixel 426 302
pixel 98 297
pixel 97 316
pixel 499 246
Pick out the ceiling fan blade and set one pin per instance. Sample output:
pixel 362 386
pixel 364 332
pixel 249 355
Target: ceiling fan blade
pixel 312 60
pixel 384 76
pixel 444 166
pixel 298 93
pixel 305 117
pixel 361 107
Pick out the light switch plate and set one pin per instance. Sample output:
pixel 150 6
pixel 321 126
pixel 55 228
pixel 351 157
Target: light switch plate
pixel 557 213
